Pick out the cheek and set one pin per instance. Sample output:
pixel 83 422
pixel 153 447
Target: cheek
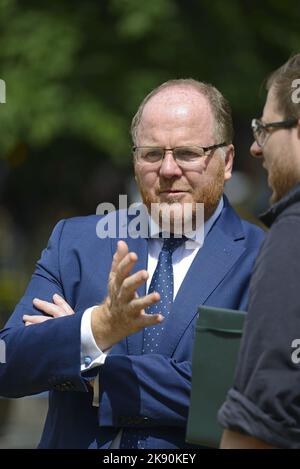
pixel 197 180
pixel 194 181
pixel 275 163
pixel 146 179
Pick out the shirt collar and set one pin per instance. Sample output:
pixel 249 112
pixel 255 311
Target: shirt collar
pixel 154 228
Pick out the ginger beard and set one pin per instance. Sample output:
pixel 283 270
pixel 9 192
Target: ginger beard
pixel 179 215
pixel 281 178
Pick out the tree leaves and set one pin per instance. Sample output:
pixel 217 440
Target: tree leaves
pixel 81 68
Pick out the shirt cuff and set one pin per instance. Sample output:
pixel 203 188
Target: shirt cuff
pixel 91 355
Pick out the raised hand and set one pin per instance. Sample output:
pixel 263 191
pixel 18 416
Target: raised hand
pixel 123 312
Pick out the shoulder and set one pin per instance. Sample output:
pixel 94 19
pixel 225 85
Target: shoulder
pixel 290 215
pixel 93 228
pixel 238 228
pixel 280 251
pixel 76 225
pixel 76 230
pixel 284 232
pixel 84 222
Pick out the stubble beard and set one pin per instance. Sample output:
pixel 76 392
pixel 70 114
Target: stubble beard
pixel 282 179
pixel 208 194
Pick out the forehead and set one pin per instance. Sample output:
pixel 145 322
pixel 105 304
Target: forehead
pixel 177 109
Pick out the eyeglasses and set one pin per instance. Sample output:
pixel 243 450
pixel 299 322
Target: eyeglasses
pixel 184 156
pixel 261 131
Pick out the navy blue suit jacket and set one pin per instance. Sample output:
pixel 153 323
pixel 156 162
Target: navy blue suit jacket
pixel 150 392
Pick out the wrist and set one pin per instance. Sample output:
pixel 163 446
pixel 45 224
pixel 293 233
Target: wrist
pixel 100 324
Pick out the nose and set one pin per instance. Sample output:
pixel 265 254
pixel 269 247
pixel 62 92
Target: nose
pixel 256 150
pixel 169 168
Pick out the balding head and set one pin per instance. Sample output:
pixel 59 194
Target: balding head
pixel 186 90
pixel 176 116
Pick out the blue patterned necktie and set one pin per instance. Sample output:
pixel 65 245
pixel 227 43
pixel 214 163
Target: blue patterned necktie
pixel 162 282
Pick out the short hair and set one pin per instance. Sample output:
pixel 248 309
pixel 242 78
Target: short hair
pixel 220 107
pixel 281 81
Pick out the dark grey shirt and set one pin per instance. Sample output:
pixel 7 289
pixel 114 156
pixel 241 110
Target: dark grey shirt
pixel 265 399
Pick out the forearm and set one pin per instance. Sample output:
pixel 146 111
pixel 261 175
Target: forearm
pixel 236 440
pixel 150 386
pixel 41 357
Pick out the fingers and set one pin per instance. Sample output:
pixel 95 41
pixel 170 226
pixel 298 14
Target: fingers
pixel 124 268
pixel 151 319
pixel 128 288
pixel 48 308
pixel 59 301
pixel 57 309
pixel 122 250
pixel 138 305
pixel 123 262
pixel 29 320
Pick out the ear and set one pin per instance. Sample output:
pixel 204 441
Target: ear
pixel 229 162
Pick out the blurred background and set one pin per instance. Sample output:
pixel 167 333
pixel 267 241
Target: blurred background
pixel 75 72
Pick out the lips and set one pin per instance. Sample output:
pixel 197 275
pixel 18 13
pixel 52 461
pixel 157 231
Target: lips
pixel 172 191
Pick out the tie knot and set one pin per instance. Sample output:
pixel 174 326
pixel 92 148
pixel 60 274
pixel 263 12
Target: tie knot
pixel 171 244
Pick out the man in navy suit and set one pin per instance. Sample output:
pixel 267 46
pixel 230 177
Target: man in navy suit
pixel 110 385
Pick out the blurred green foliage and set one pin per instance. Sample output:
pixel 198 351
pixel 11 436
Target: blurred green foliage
pixel 79 68
pixel 12 285
pixel 75 72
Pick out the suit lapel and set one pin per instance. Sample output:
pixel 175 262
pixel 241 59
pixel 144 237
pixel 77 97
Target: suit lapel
pixel 213 261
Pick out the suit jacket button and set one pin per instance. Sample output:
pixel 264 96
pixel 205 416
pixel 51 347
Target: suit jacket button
pixel 87 361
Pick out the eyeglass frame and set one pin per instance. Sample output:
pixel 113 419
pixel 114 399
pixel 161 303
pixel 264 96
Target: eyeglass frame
pixel 256 125
pixel 205 149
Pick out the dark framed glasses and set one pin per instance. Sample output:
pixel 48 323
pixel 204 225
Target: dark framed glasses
pixel 261 131
pixel 186 156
